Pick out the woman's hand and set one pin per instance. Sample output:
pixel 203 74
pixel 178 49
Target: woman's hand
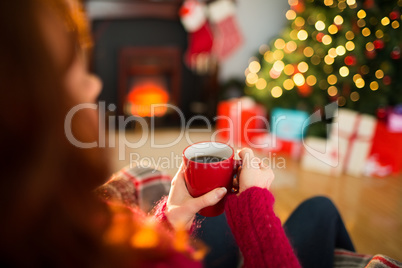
pixel 254 172
pixel 181 207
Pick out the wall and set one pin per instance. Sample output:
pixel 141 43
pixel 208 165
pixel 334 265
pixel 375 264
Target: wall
pixel 259 21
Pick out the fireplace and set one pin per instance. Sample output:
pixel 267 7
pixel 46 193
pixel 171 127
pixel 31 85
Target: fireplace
pixel 147 76
pixel 139 47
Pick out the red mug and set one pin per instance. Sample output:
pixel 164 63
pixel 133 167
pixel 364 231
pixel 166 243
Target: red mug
pixel 201 177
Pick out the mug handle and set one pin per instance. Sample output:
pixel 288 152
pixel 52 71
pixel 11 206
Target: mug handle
pixel 236 175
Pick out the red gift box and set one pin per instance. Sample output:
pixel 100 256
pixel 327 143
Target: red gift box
pixel 267 143
pixel 240 120
pixel 385 153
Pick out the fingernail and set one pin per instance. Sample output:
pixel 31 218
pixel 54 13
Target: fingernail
pixel 221 192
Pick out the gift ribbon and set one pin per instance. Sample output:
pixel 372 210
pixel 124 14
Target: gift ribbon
pixel 352 139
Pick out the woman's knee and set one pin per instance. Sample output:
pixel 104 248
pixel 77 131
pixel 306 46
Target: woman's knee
pixel 320 204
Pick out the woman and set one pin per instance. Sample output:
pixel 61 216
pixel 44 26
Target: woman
pixel 51 217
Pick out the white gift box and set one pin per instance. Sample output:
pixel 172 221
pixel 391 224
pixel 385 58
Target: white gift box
pixel 347 148
pixel 319 156
pixel 354 133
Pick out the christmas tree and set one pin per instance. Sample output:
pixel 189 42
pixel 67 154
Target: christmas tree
pixel 332 50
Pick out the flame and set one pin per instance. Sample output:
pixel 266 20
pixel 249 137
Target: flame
pixel 143 96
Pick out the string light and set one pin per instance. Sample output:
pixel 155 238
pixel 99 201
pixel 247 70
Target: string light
pixel 289 69
pixel 302 67
pixel 293 34
pixel 366 32
pixel 290 14
pixel 359 82
pixel 252 78
pixel 279 43
pixel 349 35
pixel 361 14
pixel 302 35
pixel 261 84
pixel 379 34
pixel 299 22
pixel 288 84
pixel 355 96
pixel 268 56
pixel 274 74
pixel 344 71
pixel 340 50
pixel 350 45
pixel 395 24
pixel 356 76
pixel 254 66
pixel 370 46
pixel 338 20
pixel 308 52
pixel 311 80
pixel 385 21
pixel 332 91
pixel 326 39
pixel 278 66
pixel 374 86
pixel 332 52
pixel 320 25
pixel 341 101
pixel 341 5
pixel 278 55
pixel 328 60
pixel 332 29
pixel 379 74
pixel 298 79
pixel 276 92
pixel 293 2
pixel 332 79
pixel 361 23
pixel 291 46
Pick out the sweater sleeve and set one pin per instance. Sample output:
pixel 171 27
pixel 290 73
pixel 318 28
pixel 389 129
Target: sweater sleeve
pixel 257 230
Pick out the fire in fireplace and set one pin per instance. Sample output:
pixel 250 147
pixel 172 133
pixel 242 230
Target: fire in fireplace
pixel 147 98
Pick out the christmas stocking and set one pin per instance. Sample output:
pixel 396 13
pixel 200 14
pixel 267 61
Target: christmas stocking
pixel 227 36
pixel 194 19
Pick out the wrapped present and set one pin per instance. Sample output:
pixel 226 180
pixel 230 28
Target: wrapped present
pixel 267 143
pixel 289 124
pixel 239 120
pixel 354 134
pixel 395 119
pixel 320 156
pixel 384 158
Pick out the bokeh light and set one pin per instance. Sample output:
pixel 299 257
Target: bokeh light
pixel 302 67
pixel 276 92
pixel 298 79
pixel 344 71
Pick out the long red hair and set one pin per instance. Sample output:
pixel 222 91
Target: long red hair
pixel 49 216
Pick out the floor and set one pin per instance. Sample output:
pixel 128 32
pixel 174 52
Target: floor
pixel 371 207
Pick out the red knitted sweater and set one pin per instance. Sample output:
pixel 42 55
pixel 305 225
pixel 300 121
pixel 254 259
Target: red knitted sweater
pixel 257 230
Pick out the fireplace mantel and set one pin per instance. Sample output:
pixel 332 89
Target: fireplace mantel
pixel 129 9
